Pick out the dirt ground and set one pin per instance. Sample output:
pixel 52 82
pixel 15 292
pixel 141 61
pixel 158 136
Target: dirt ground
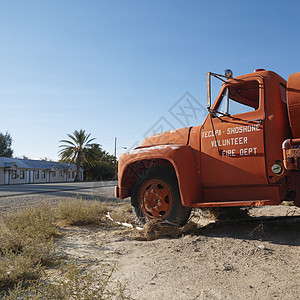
pixel 220 260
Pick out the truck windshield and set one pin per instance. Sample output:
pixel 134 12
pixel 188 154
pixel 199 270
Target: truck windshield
pixel 239 98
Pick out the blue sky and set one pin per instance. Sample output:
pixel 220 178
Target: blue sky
pixel 118 68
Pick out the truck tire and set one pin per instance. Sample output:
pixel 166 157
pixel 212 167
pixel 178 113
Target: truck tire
pixel 156 196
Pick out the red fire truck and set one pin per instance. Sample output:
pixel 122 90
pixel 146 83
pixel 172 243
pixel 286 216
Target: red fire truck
pixel 246 153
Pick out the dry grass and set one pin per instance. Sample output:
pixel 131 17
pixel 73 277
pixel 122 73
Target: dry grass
pixel 27 244
pixel 223 213
pixel 123 214
pixel 26 241
pixel 80 212
pixel 16 268
pixel 72 282
pixel 157 229
pixel 27 229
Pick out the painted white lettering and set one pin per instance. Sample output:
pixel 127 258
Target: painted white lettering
pixel 248 151
pixel 230 142
pixel 228 153
pixel 210 133
pixel 242 129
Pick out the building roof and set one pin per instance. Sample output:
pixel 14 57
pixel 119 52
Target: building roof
pixel 6 162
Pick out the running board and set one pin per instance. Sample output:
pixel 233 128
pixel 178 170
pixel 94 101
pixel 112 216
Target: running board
pixel 235 203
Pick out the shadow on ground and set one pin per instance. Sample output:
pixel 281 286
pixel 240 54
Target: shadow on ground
pixel 285 231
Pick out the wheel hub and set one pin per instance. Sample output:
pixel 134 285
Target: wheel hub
pixel 156 199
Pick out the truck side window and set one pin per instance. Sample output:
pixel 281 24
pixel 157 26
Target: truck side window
pixel 239 98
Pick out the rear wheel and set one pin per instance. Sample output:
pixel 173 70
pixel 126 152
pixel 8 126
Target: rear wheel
pixel 156 197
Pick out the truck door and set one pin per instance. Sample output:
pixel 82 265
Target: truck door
pixel 232 137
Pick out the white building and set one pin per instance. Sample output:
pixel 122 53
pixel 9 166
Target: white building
pixel 20 171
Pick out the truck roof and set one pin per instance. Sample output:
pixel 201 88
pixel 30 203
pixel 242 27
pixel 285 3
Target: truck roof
pixel 262 73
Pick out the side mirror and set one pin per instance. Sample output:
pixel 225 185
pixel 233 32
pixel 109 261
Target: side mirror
pixel 227 100
pixel 228 75
pixel 208 75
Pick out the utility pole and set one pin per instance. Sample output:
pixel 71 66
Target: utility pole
pixel 116 167
pixel 116 160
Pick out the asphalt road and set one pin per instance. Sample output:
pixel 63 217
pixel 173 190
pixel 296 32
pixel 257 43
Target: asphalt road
pixel 78 187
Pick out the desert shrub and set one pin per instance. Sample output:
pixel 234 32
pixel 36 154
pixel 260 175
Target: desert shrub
pixel 26 240
pixel 26 244
pixel 123 213
pixel 80 212
pixel 156 229
pixel 15 267
pixel 72 283
pixel 27 228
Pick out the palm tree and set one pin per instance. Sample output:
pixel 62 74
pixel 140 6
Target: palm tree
pixel 79 150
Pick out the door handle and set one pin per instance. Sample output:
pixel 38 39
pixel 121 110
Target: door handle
pixel 258 121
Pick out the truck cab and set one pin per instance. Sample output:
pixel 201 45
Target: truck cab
pixel 234 158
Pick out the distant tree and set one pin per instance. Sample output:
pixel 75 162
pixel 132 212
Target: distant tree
pixel 79 149
pixel 104 169
pixel 46 159
pixel 22 157
pixel 5 145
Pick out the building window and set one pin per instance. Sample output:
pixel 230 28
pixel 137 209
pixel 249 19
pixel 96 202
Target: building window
pixel 60 174
pixel 68 174
pixel 73 174
pixel 80 175
pixel 53 173
pixel 37 174
pixel 14 174
pixel 43 174
pixel 22 174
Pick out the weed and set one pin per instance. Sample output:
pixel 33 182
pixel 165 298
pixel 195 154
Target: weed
pixel 223 213
pixel 72 283
pixel 155 229
pixel 123 214
pixel 17 267
pixel 26 240
pixel 259 231
pixel 80 212
pixel 24 228
pixel 26 245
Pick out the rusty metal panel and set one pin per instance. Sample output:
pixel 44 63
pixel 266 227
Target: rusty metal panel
pixel 239 193
pixel 232 147
pixel 182 159
pixel 293 103
pixel 291 154
pixel 179 137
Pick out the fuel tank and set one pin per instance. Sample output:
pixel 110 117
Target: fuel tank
pixel 293 103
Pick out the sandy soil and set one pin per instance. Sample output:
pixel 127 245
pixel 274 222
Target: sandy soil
pixel 221 260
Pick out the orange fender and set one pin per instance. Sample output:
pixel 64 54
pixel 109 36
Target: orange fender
pixel 181 158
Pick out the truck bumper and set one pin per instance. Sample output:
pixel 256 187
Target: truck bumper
pixel 117 192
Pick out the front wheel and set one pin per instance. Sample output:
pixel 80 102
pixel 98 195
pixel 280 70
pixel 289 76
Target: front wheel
pixel 156 197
